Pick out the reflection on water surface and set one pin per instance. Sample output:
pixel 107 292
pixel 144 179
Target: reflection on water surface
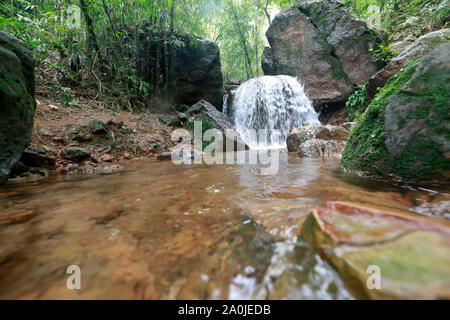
pixel 160 231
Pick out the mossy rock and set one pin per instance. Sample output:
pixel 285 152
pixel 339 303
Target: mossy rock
pixel 210 118
pixel 405 130
pixel 412 252
pixel 17 103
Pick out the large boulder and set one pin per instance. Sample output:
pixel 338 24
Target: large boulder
pixel 17 102
pixel 421 47
pixel 322 44
pixel 197 68
pixel 405 131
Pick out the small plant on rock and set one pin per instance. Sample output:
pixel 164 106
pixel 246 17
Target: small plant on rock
pixel 356 103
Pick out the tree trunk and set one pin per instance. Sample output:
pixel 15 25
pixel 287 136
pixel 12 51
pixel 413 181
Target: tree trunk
pixel 172 47
pixel 92 39
pixel 236 18
pixel 266 12
pixel 115 49
pixel 136 43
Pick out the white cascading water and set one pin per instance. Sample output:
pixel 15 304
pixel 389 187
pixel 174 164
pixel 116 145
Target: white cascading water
pixel 273 103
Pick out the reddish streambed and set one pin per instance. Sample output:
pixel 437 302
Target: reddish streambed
pixel 161 231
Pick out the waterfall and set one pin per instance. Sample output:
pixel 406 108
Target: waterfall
pixel 273 103
pixel 225 105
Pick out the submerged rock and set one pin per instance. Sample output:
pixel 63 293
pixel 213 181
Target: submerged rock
pixel 411 252
pixel 421 47
pixel 325 46
pixel 17 103
pixel 405 130
pixel 317 141
pixel 434 209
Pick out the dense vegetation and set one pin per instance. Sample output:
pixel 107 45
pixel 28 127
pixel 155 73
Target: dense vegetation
pixel 98 53
pixel 402 18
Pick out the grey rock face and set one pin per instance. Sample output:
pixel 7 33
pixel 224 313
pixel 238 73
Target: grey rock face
pixel 323 45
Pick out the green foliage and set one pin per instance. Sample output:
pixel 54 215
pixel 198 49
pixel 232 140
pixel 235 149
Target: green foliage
pixel 356 103
pixel 234 22
pixel 102 52
pixel 403 18
pixel 384 54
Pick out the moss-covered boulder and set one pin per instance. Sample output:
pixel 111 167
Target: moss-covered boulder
pixel 406 129
pixel 323 45
pixel 411 252
pixel 17 103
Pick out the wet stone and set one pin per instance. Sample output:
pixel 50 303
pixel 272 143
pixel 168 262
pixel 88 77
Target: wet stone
pixel 166 156
pixel 37 157
pixel 76 154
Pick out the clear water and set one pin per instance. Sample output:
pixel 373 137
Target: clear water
pixel 161 231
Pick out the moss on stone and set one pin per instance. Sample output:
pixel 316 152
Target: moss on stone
pixel 366 149
pixel 421 159
pixel 336 68
pixel 415 102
